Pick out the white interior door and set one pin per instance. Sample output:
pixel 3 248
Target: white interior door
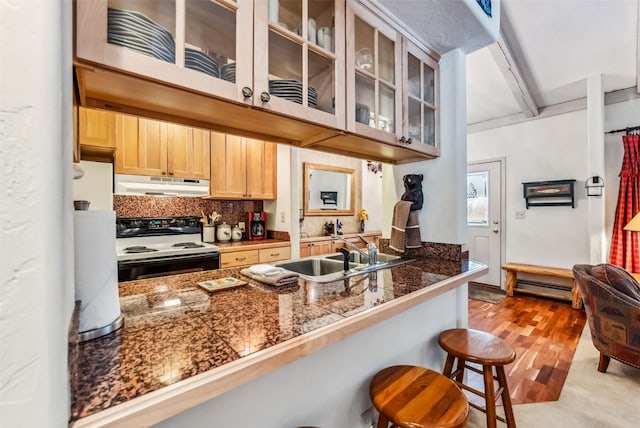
pixel 485 219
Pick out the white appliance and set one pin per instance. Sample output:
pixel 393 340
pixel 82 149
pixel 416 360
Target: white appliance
pixel 150 247
pixel 96 273
pixel 94 185
pixel 126 184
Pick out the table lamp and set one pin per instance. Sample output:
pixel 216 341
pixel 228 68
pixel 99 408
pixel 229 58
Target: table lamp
pixel 634 224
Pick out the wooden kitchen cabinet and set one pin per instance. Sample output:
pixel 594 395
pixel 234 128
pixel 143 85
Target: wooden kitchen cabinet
pixel 391 84
pixel 299 59
pixel 242 168
pixel 239 258
pixel 155 148
pixel 273 254
pixel 303 90
pixel 327 245
pixel 315 248
pixel 96 134
pixel 244 257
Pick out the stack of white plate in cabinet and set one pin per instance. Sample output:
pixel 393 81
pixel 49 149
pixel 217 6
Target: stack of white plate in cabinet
pixel 291 90
pixel 135 31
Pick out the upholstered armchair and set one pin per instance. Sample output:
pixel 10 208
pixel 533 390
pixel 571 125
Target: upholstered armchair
pixel 612 302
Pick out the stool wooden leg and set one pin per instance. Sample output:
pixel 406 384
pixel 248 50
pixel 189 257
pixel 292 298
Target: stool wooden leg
pixel 490 396
pixel 506 398
pixel 448 366
pixel 460 370
pixel 383 421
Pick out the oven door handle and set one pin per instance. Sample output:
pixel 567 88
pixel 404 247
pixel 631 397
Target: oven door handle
pixel 155 260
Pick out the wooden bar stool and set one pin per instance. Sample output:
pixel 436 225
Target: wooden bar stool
pixel 416 397
pixel 489 351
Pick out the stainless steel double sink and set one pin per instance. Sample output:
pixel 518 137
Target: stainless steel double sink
pixel 331 267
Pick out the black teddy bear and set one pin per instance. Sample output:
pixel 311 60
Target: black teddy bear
pixel 413 190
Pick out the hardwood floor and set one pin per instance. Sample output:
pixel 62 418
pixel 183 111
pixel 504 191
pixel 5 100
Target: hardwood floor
pixel 544 333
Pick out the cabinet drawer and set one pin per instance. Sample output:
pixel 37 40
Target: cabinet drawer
pixel 274 254
pixel 238 258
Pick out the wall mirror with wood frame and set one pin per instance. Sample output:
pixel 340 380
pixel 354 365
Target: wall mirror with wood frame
pixel 328 190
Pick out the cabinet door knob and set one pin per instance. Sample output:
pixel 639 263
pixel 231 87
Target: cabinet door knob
pixel 170 172
pixel 164 172
pixel 265 97
pixel 403 140
pixel 409 141
pixel 247 92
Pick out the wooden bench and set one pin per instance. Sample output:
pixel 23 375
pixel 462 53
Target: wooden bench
pixel 513 269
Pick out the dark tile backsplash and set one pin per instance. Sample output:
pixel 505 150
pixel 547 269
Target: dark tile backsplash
pixel 180 206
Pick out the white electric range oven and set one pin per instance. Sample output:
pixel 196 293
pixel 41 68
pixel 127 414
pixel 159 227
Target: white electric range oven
pixel 151 247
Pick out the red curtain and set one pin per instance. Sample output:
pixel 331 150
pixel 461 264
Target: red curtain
pixel 625 245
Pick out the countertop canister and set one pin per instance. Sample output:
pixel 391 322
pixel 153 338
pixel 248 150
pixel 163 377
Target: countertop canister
pixel 223 232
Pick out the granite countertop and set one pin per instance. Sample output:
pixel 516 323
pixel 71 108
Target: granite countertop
pixel 175 330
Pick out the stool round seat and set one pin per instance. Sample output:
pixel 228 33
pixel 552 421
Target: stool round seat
pixel 476 346
pixel 492 353
pixel 416 397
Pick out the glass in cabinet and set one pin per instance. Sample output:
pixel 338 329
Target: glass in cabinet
pixel 201 45
pixel 299 59
pixel 374 85
pixel 421 100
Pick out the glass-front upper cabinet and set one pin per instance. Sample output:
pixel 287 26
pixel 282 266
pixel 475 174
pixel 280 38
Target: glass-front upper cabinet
pixel 374 76
pixel 204 45
pixel 299 59
pixel 420 100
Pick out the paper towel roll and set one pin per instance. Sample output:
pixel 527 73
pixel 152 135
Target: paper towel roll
pixel 96 268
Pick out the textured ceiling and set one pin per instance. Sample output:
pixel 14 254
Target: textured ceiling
pixel 555 44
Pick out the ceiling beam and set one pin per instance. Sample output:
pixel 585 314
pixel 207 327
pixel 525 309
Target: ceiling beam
pixel 503 56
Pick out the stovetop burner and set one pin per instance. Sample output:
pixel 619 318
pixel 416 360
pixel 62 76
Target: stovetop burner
pixel 188 245
pixel 138 249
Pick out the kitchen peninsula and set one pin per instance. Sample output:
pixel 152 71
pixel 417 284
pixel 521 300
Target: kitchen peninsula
pixel 262 347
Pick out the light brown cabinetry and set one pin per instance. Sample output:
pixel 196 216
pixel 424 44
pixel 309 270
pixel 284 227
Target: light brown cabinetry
pixel 315 248
pixel 304 87
pixel 245 257
pixel 327 245
pixel 96 134
pixel 154 148
pixel 391 84
pixel 242 168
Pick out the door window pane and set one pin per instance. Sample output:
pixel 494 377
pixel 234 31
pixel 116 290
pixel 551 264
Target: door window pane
pixel 478 198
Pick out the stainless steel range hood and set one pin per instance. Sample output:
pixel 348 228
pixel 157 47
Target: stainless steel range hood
pixel 125 184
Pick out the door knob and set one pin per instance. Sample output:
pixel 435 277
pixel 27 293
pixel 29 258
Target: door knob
pixel 265 97
pixel 495 221
pixel 247 92
pixel 495 230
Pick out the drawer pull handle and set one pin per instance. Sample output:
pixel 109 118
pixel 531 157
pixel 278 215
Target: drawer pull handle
pixel 275 254
pixel 240 259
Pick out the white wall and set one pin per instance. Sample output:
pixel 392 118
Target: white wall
pixel 443 215
pixel 36 259
pixel 96 186
pixel 547 149
pixel 330 388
